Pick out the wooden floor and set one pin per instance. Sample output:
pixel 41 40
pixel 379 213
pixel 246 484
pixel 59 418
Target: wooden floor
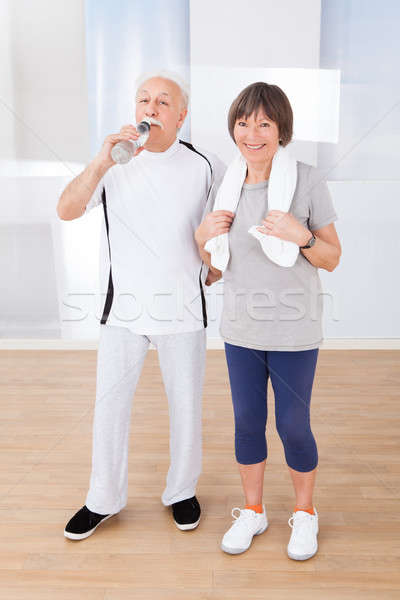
pixel 47 400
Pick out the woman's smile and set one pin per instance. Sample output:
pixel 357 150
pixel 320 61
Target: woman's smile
pixel 254 147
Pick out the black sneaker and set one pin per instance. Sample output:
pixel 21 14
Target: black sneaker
pixel 186 513
pixel 83 523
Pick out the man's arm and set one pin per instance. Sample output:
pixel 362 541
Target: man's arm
pixel 73 200
pixel 213 273
pixel 75 197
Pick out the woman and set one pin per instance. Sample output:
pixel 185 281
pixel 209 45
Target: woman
pixel 271 319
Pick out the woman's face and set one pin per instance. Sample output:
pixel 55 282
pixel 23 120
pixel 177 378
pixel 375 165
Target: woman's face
pixel 257 137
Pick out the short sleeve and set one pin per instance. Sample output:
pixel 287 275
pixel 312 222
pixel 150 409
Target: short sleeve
pixel 219 169
pixel 95 199
pixel 322 211
pixel 218 173
pixel 211 197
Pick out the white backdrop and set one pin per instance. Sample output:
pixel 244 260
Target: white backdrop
pixel 44 119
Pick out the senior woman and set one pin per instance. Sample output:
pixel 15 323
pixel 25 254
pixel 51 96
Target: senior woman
pixel 271 318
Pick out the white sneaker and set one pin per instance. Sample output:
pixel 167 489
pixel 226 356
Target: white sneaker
pixel 246 524
pixel 303 541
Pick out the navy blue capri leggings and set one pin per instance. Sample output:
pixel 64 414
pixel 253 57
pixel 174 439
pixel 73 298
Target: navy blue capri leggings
pixel 292 376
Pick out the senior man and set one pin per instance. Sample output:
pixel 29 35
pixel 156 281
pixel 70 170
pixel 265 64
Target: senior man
pixel 152 206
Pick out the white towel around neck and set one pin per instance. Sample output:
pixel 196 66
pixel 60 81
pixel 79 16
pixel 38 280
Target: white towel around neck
pixel 281 187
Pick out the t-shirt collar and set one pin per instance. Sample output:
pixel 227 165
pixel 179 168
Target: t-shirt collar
pixel 159 155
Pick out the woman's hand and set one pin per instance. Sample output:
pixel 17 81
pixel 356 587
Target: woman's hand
pixel 215 223
pixel 285 226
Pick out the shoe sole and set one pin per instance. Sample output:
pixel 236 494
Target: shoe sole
pixel 82 536
pixel 240 550
pixel 187 526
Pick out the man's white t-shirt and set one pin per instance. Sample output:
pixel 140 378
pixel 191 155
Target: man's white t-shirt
pixel 151 272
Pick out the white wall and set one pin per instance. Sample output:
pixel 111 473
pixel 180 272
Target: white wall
pixel 45 141
pixel 365 287
pixel 43 81
pixel 256 33
pixel 6 85
pixel 234 44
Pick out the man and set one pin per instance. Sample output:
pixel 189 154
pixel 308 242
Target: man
pixel 152 206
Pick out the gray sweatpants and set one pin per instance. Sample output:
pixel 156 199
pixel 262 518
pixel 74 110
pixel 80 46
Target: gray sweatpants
pixel 120 358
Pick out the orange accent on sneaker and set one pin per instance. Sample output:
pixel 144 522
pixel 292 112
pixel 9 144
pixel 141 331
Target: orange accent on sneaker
pixel 309 510
pixel 256 507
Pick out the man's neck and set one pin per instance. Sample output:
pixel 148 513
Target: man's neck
pixel 158 146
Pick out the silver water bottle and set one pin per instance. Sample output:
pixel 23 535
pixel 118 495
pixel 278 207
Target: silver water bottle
pixel 122 152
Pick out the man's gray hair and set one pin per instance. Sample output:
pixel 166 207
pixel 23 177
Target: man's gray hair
pixel 164 74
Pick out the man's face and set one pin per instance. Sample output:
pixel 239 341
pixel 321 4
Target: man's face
pixel 161 99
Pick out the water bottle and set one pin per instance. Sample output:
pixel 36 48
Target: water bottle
pixel 122 152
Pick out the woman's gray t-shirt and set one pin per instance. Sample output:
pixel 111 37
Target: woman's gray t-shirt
pixel 268 307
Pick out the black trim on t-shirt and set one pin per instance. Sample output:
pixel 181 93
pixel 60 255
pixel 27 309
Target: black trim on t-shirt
pixel 110 290
pixel 191 147
pixel 203 298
